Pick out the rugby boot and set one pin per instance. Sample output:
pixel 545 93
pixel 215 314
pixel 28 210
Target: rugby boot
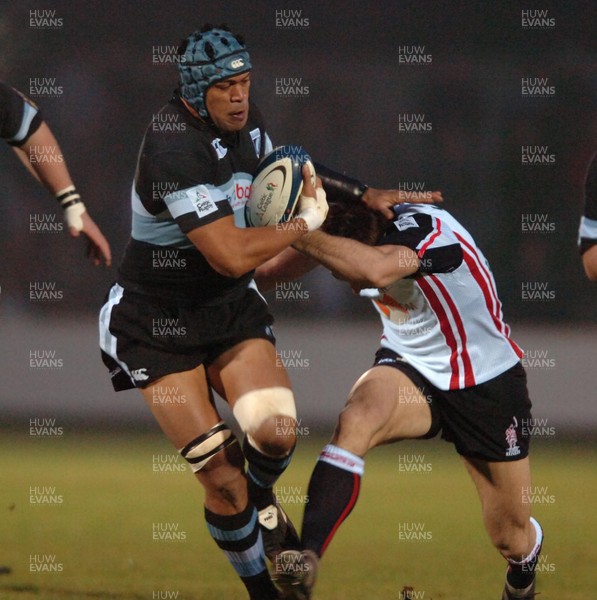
pixel 294 573
pixel 277 531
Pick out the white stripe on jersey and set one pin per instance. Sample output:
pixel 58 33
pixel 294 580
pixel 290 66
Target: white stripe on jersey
pixel 28 113
pixel 587 229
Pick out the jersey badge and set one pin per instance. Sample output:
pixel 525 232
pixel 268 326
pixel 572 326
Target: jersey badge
pixel 406 223
pixel 256 138
pixel 220 150
pixel 204 205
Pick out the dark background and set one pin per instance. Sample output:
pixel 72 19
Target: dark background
pixel 346 56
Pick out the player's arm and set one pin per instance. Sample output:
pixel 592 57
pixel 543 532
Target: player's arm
pixel 357 263
pixel 44 156
pixel 589 261
pixel 233 251
pixel 286 266
pixel 341 188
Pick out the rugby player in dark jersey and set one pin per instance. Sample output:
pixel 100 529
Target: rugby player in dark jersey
pixel 185 317
pixel 587 234
pixel 23 127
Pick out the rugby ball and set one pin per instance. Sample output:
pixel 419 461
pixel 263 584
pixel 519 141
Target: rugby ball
pixel 277 185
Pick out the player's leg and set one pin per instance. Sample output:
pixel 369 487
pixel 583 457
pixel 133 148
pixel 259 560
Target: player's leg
pixel 385 405
pixel 507 517
pixel 258 390
pixel 196 430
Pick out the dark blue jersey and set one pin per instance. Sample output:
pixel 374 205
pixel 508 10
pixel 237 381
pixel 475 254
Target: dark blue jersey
pixel 188 175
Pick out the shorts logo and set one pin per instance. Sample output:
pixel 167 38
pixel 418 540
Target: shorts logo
pixel 139 374
pixel 385 361
pixel 512 439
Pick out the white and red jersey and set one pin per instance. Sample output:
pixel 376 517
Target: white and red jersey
pixel 446 321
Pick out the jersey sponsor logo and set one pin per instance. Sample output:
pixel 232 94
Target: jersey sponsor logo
pixel 242 192
pixel 220 150
pixel 140 375
pixel 204 205
pixel 406 223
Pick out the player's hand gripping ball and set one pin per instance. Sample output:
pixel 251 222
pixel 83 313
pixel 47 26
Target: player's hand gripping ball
pixel 277 186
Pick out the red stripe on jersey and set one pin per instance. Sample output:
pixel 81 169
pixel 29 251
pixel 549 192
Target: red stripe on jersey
pixel 356 483
pixel 487 285
pixel 430 241
pixel 446 328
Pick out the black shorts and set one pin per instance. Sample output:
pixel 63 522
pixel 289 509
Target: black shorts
pixel 143 339
pixel 486 421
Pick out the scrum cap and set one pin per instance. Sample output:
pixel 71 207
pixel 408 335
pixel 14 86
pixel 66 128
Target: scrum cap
pixel 206 57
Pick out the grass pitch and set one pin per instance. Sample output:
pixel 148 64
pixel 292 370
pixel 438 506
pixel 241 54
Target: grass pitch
pixel 120 517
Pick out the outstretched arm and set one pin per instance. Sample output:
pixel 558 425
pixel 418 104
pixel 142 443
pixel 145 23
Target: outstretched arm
pixel 341 188
pixel 286 266
pixel 359 264
pixel 43 157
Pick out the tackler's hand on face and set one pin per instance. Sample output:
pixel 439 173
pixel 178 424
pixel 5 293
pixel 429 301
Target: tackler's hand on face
pixel 383 200
pixel 312 207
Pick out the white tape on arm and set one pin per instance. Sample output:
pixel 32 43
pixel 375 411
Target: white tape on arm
pixel 313 210
pixel 73 215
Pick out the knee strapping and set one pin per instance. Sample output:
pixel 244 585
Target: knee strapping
pixel 203 448
pixel 254 408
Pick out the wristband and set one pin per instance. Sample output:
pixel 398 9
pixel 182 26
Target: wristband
pixel 68 197
pixel 73 207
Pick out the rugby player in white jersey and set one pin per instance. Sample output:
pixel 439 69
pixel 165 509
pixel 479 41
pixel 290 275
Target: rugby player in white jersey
pixel 23 127
pixel 446 364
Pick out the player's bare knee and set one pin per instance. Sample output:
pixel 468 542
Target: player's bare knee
pixel 512 540
pixel 355 429
pixel 357 416
pixel 268 417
